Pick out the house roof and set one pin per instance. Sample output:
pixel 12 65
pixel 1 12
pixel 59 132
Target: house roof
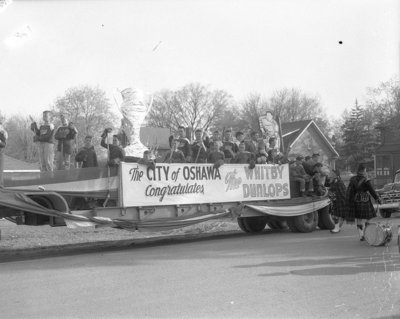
pixel 292 131
pixel 14 164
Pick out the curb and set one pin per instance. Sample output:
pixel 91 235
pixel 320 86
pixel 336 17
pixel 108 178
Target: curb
pixel 91 247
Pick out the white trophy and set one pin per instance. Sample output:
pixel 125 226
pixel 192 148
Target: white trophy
pixel 134 109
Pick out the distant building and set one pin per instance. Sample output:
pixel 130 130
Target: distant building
pixel 155 137
pixel 305 138
pixel 387 155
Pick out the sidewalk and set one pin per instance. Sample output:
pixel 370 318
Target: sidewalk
pixel 23 242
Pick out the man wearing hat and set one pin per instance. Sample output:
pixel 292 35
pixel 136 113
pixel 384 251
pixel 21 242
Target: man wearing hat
pixel 116 153
pixel 298 174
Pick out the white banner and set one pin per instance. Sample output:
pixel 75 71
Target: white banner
pixel 174 184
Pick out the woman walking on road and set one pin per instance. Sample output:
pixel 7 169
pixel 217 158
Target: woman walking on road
pixel 337 195
pixel 358 198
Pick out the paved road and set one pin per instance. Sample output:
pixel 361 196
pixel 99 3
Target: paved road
pixel 272 275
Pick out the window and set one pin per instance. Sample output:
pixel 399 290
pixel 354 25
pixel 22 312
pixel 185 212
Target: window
pixel 383 165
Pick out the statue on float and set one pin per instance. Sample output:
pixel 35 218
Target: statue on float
pixel 134 109
pixel 270 130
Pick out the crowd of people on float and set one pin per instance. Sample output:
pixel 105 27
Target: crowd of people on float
pixel 351 204
pixel 219 148
pixel 223 148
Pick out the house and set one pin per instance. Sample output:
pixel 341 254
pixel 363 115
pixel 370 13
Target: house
pixel 305 138
pixel 387 155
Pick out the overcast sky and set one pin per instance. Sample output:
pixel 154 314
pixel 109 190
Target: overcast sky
pixel 240 46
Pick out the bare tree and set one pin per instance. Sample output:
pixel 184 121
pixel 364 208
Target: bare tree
pixel 288 104
pixel 293 105
pixel 384 100
pixel 232 119
pixel 88 108
pixel 20 143
pixel 193 106
pixel 161 112
pixel 252 108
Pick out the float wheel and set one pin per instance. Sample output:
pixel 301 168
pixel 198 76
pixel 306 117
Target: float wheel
pixel 325 220
pixel 304 223
pixel 291 225
pixel 241 224
pixel 254 224
pixel 385 213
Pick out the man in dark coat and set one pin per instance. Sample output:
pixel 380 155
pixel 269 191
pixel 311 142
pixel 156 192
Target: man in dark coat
pixel 298 174
pixel 228 146
pixel 308 165
pixel 243 156
pixel 87 156
pixel 65 135
pixel 199 148
pixel 215 156
pixel 358 198
pixel 116 153
pixel 183 144
pixel 252 145
pixel 174 155
pixel 338 205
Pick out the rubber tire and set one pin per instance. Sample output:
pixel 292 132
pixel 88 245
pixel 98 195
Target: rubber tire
pixel 306 223
pixel 291 225
pixel 385 213
pixel 277 224
pixel 254 224
pixel 38 218
pixel 241 224
pixel 325 220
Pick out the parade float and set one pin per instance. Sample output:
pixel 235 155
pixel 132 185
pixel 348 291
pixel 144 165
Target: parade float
pixel 140 197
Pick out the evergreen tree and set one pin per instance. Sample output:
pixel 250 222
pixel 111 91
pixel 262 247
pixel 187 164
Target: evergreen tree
pixel 359 137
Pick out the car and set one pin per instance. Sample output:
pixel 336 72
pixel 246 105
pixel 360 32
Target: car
pixel 390 196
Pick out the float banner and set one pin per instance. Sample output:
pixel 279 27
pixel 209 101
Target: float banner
pixel 175 184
